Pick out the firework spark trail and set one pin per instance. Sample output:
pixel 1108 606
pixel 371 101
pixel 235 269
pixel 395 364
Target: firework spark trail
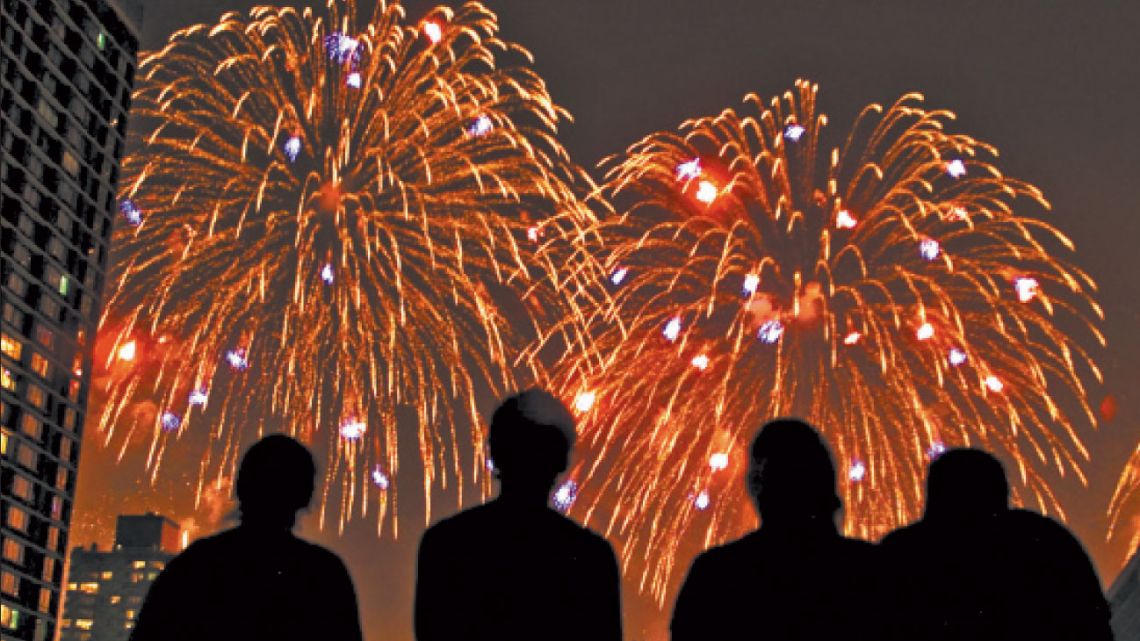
pixel 888 291
pixel 326 213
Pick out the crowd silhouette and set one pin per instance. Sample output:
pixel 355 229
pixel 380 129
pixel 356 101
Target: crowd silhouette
pixel 972 569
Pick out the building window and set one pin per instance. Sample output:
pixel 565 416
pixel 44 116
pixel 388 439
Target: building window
pixel 49 569
pixel 9 583
pixel 106 575
pixel 115 598
pixel 90 587
pixel 44 336
pixel 53 539
pixel 11 346
pixel 31 426
pixel 7 379
pixel 17 518
pixel 84 624
pixel 45 600
pixel 36 396
pixel 28 458
pixel 40 365
pixel 9 617
pixel 64 285
pixel 13 551
pixel 56 508
pixel 22 487
pixel 61 477
pixel 70 164
pixel 65 445
pixel 138 565
pixel 4 439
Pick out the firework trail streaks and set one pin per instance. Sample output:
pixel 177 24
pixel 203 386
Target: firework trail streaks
pixel 321 217
pixel 889 291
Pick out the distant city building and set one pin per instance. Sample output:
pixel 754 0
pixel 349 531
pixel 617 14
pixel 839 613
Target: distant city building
pixel 66 68
pixel 1124 596
pixel 105 590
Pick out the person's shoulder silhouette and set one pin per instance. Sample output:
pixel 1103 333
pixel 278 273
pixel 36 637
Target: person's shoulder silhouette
pixel 972 568
pixel 256 581
pixel 513 568
pixel 794 578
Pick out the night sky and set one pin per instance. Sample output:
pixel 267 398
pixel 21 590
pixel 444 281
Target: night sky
pixel 1055 86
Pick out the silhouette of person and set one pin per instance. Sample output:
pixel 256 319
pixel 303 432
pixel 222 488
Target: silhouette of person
pixel 975 569
pixel 514 569
pixel 256 581
pixel 795 578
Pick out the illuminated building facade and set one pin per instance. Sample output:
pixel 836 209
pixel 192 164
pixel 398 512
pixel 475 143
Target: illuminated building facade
pixel 105 590
pixel 66 71
pixel 1124 596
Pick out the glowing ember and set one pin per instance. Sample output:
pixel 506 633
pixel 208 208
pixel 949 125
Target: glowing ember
pixel 1026 288
pixel 127 351
pixel 380 478
pixel 925 332
pixel 433 31
pixel 584 401
pixel 352 429
pixel 994 383
pixel 852 338
pixel 706 192
pixel 718 461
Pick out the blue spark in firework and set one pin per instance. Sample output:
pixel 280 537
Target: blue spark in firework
pixel 857 472
pixel 131 213
pixel 564 496
pixel 702 501
pixel 751 283
pixel 956 357
pixel 929 248
pixel 292 148
pixel 689 169
pixel 481 127
pixel 380 478
pixel 793 132
pixel 170 421
pixel 341 48
pixel 672 329
pixel 936 449
pixel 237 359
pixel 199 397
pixel 327 273
pixel 619 275
pixel 353 80
pixel 771 331
pixel 956 168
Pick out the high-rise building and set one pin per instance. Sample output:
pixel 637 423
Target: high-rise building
pixel 105 590
pixel 1124 597
pixel 66 68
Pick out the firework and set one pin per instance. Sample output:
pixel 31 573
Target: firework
pixel 888 290
pixel 327 212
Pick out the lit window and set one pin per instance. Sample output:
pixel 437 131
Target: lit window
pixel 53 538
pixel 44 336
pixel 89 587
pixel 13 551
pixel 115 599
pixel 3 443
pixel 17 518
pixel 7 379
pixel 31 426
pixel 131 614
pixel 101 41
pixel 36 396
pixel 9 617
pixel 70 163
pixel 63 285
pixel 138 564
pixel 72 586
pixel 49 569
pixel 28 458
pixel 45 600
pixel 84 624
pixel 40 365
pixel 9 583
pixel 22 487
pixel 106 575
pixel 11 347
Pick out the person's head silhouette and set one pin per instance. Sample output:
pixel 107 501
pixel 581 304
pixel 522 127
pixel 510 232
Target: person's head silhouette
pixel 791 475
pixel 966 484
pixel 530 439
pixel 274 481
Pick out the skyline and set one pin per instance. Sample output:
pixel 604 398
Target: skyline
pixel 993 102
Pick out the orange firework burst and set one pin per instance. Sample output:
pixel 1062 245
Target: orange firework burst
pixel 888 291
pixel 330 216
